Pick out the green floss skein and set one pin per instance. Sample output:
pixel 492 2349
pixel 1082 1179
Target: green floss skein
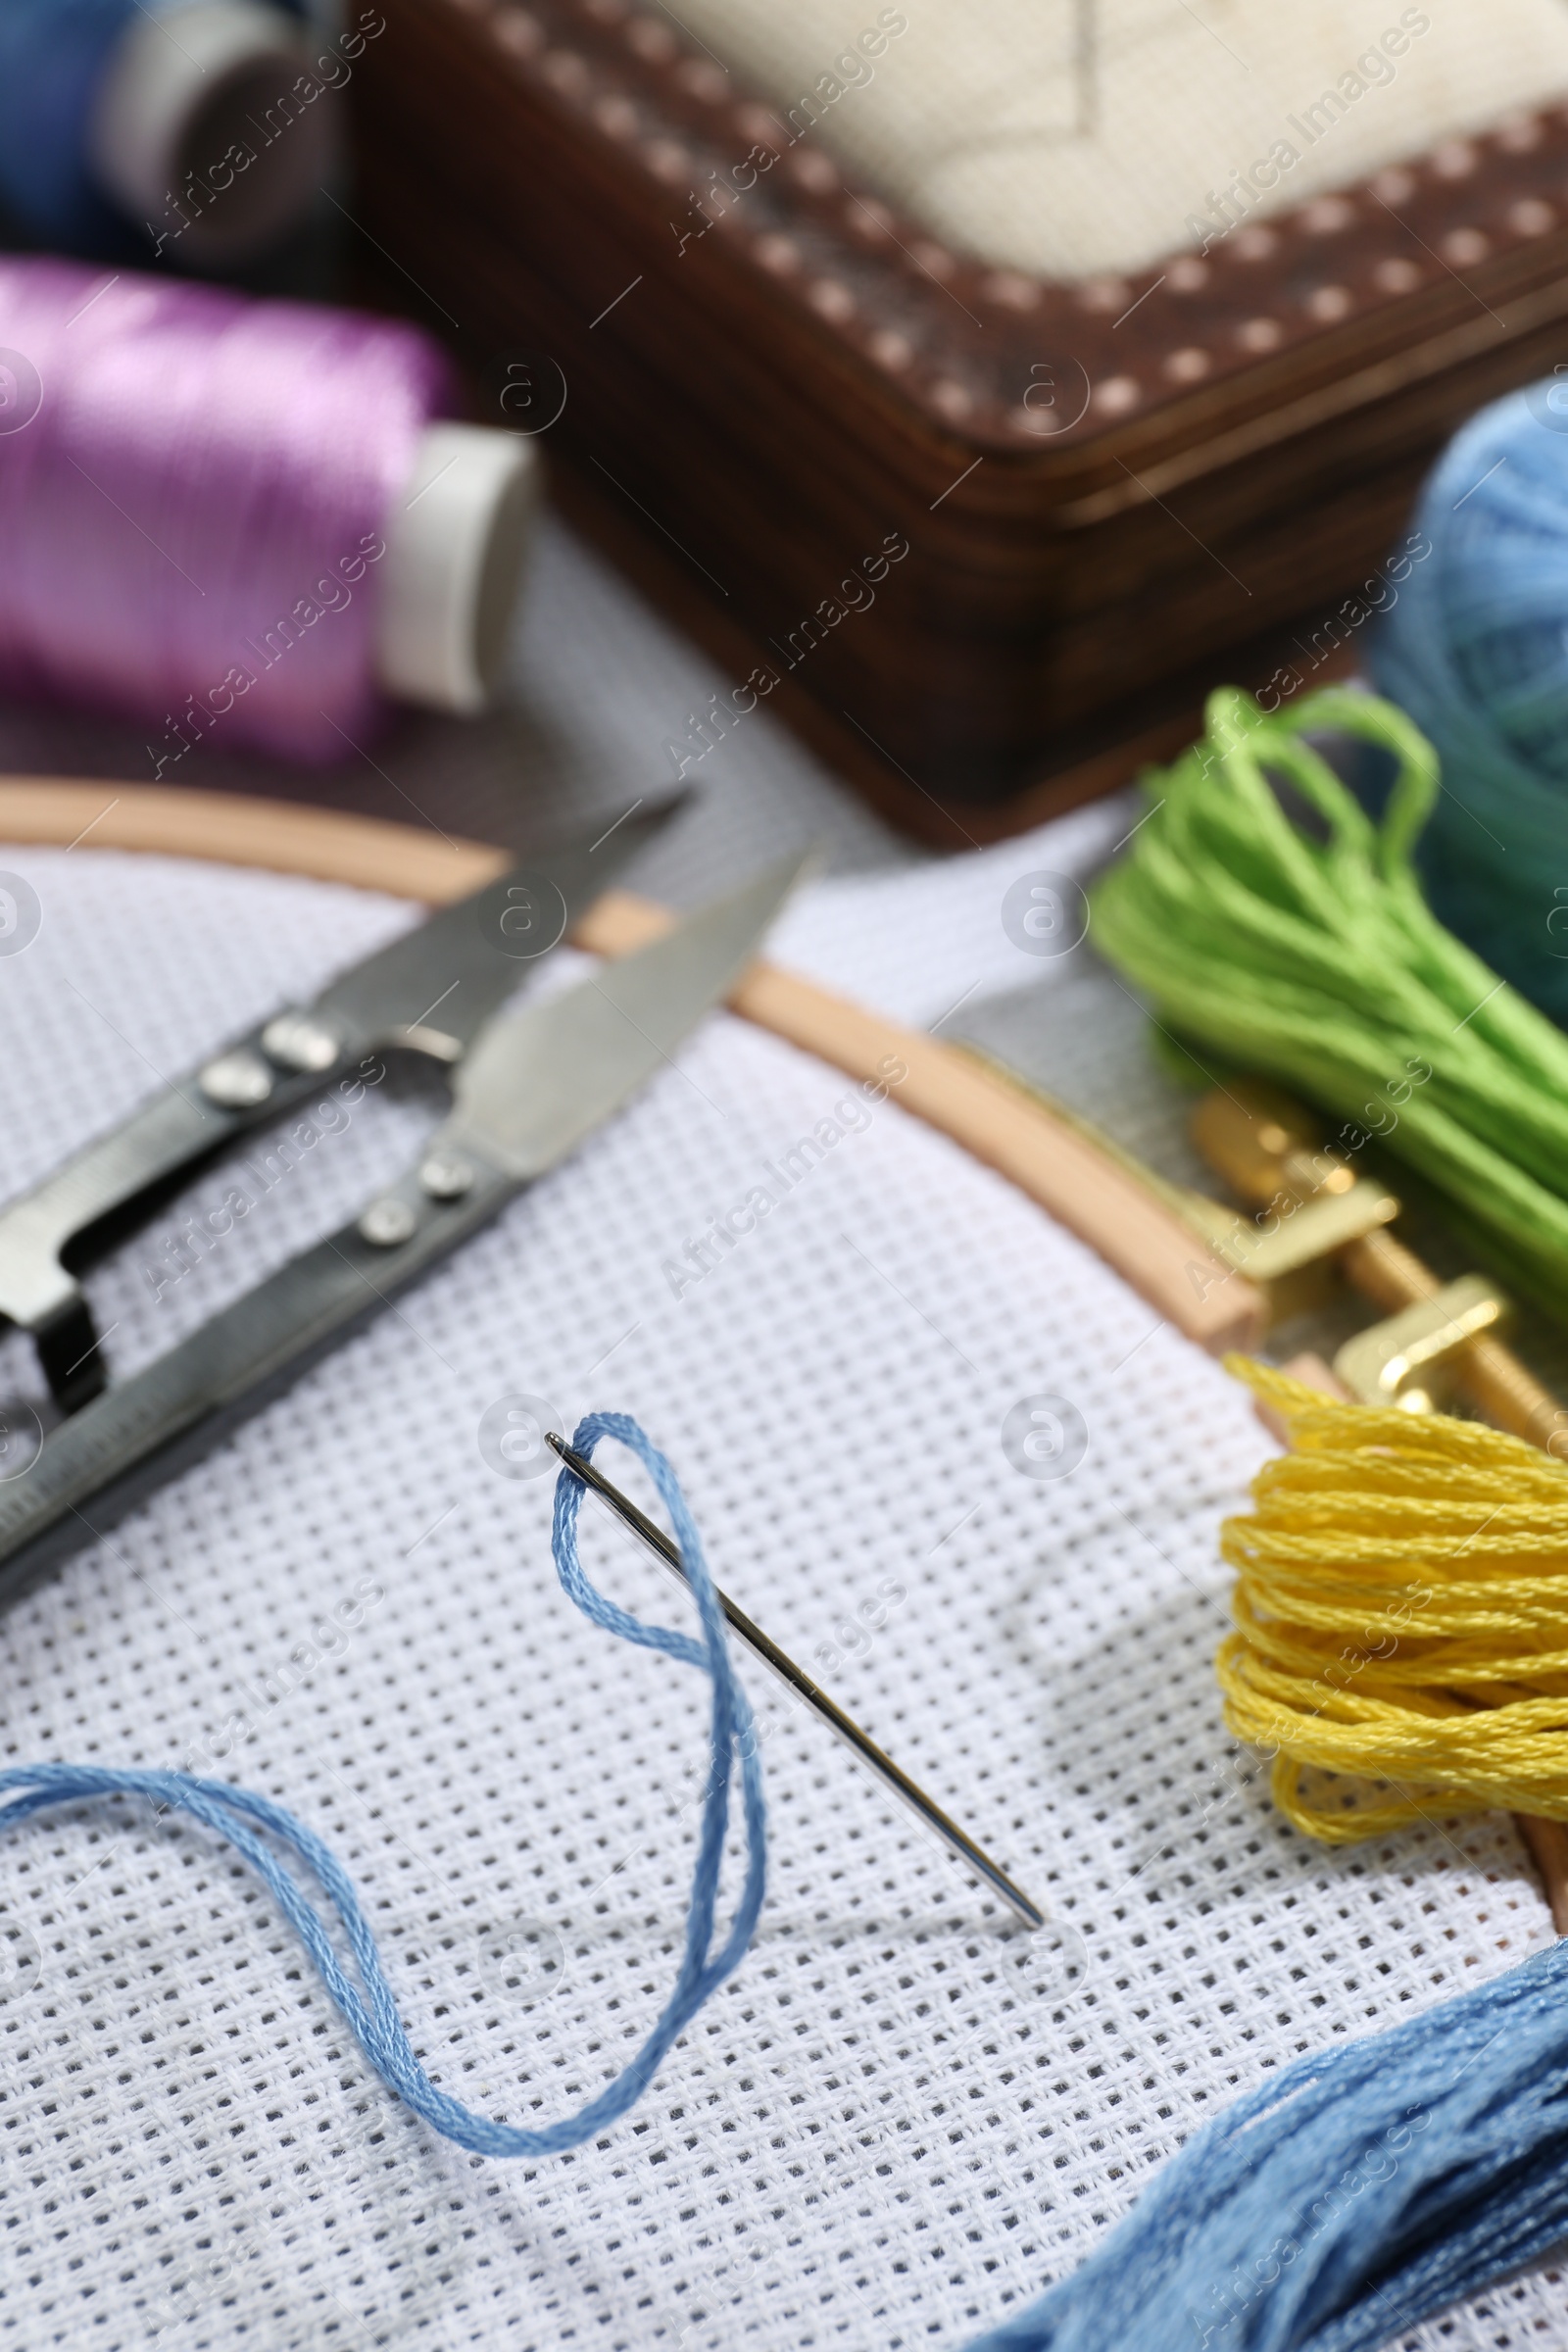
pixel 1318 962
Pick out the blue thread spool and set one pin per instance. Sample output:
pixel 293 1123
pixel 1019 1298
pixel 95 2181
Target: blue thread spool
pixel 1477 650
pixel 116 120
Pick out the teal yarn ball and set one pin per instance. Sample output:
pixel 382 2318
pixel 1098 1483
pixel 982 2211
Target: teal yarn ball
pixel 1476 651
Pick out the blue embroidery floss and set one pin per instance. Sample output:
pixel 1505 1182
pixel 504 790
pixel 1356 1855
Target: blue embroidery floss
pixel 369 2007
pixel 1475 650
pixel 192 124
pixel 1345 2198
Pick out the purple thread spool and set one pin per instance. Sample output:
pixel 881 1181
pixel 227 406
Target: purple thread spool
pixel 242 520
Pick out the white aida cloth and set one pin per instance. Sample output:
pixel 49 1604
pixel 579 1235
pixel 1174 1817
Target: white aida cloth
pixel 1072 137
pixel 926 942
pixel 902 2115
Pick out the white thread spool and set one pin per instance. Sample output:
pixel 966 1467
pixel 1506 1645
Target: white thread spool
pixel 455 549
pixel 188 88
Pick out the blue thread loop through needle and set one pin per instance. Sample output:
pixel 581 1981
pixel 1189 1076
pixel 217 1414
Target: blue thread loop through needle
pixel 239 1816
pixel 957 1842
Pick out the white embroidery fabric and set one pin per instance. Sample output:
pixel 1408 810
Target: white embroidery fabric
pixel 903 2116
pixel 1072 137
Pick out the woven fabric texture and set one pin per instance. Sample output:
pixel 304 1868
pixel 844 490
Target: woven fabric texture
pixel 902 2115
pixel 1072 137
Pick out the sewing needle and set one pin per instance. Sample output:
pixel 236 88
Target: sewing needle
pixel 796 1679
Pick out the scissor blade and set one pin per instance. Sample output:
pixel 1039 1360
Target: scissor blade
pixel 450 974
pixel 537 1081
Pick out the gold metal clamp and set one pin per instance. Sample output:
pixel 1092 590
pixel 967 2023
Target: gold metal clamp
pixel 1438 1339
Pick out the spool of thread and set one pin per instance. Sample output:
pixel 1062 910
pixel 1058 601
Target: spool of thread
pixel 241 521
pixel 194 130
pixel 1475 650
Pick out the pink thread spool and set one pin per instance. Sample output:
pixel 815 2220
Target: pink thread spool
pixel 254 521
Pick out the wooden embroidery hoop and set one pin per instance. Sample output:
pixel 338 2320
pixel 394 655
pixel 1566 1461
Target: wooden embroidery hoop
pixel 1059 1168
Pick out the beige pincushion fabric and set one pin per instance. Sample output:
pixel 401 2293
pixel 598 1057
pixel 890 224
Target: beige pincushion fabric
pixel 1072 137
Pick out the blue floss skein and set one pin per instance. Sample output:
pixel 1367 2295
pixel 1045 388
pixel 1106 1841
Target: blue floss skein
pixel 1345 2198
pixel 53 53
pixel 1475 650
pixel 238 1816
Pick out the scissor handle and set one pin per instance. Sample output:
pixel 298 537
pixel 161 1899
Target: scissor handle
pixel 431 989
pixel 182 1124
pixel 132 1437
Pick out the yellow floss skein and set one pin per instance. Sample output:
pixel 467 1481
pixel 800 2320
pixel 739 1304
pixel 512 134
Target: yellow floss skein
pixel 1401 1614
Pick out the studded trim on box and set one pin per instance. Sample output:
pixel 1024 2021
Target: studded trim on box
pixel 1099 500
pixel 1011 359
